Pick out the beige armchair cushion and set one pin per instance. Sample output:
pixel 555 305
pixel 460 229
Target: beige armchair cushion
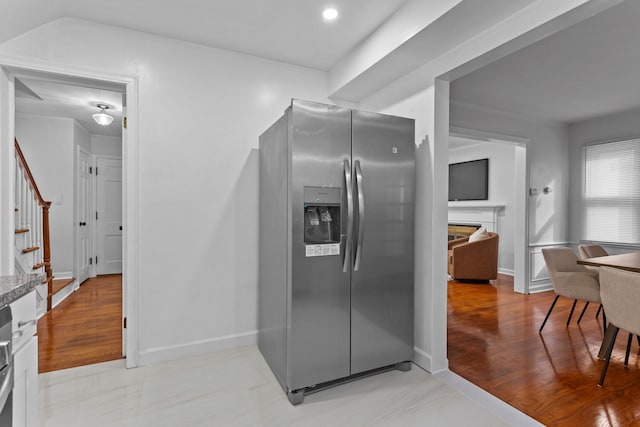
pixel 479 234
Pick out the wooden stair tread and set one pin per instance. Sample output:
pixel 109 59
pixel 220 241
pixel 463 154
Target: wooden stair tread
pixel 32 249
pixel 22 230
pixel 60 284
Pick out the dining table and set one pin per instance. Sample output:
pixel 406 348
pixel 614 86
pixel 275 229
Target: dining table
pixel 630 262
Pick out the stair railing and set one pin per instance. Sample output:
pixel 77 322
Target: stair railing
pixel 32 220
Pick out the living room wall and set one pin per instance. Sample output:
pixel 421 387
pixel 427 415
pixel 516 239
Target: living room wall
pixel 501 190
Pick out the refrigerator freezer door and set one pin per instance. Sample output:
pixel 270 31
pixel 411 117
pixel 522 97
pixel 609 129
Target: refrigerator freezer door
pixel 318 322
pixel 382 286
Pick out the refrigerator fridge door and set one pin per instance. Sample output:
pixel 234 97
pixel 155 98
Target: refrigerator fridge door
pixel 382 279
pixel 318 304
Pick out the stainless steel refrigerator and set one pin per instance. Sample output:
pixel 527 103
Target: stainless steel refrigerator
pixel 336 251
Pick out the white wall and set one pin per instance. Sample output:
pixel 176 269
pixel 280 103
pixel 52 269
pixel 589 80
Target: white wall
pixel 200 113
pixel 81 137
pixel 618 126
pixel 110 145
pixel 47 144
pixel 501 190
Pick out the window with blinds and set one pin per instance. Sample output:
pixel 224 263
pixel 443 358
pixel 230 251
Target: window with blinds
pixel 612 192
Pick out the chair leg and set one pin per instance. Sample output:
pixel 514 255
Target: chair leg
pixel 573 307
pixel 583 310
pixel 626 356
pixel 549 312
pixel 608 356
pixel 599 310
pixel 604 322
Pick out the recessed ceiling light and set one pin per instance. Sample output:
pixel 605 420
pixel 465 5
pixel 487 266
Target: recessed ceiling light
pixel 330 14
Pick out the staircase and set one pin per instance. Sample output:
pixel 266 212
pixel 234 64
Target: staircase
pixel 32 245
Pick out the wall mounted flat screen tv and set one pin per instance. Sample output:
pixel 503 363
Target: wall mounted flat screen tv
pixel 469 180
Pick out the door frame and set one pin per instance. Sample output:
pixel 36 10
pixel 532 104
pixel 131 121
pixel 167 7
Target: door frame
pixel 9 68
pixel 77 209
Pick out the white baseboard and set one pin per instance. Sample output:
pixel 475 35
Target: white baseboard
pixel 161 354
pixel 62 274
pixel 64 293
pixel 422 359
pixel 542 286
pixel 506 271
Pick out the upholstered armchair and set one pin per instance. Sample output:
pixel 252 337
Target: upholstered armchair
pixel 471 259
pixel 570 280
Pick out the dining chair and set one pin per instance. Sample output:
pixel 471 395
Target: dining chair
pixel 591 251
pixel 570 280
pixel 620 293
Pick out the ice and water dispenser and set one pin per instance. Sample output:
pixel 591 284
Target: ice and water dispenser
pixel 322 220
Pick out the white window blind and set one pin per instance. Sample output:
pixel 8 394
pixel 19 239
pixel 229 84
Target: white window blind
pixel 612 192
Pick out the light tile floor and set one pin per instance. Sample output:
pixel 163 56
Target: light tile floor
pixel 237 388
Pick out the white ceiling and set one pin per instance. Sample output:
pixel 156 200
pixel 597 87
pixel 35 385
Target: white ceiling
pixel 588 70
pixel 69 100
pixel 290 31
pixel 585 71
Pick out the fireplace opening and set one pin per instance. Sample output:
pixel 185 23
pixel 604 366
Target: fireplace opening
pixel 458 231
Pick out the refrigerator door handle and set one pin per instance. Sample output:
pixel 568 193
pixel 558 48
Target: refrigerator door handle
pixel 347 246
pixel 359 189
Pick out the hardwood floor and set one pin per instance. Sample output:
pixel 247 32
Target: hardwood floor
pixel 493 341
pixel 83 329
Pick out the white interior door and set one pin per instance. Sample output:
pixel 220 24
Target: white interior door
pixel 109 216
pixel 83 248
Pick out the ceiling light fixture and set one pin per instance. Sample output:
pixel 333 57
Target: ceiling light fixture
pixel 102 118
pixel 330 14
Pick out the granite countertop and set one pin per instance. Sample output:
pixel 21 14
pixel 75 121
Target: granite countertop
pixel 14 287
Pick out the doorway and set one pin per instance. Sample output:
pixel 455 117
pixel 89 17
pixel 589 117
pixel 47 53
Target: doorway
pixel 507 181
pixel 78 80
pixel 108 228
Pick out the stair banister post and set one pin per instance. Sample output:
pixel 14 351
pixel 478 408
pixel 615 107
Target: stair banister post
pixel 47 252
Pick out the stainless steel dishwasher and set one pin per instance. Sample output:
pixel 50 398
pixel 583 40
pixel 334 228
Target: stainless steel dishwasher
pixel 6 367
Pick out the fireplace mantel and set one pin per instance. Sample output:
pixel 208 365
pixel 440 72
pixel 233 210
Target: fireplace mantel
pixel 482 214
